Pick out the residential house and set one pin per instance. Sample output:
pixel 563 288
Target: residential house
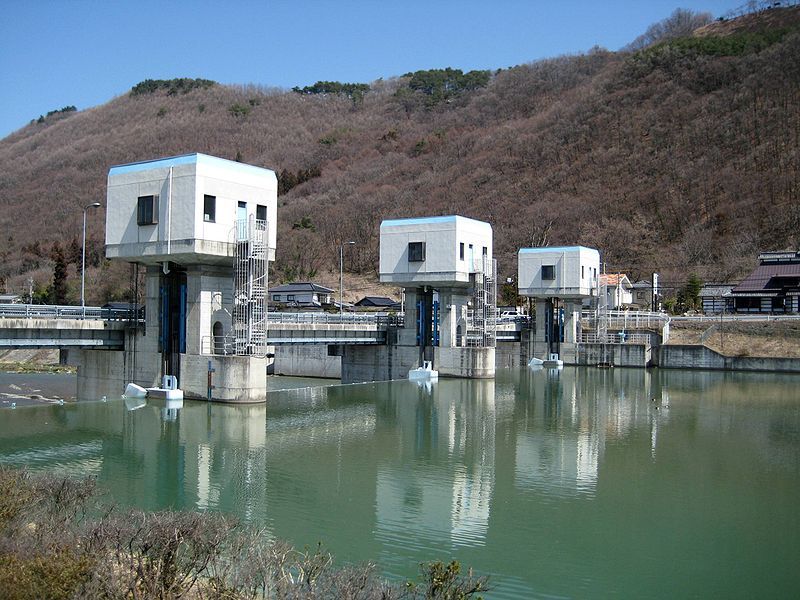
pixel 716 298
pixel 302 294
pixel 772 287
pixel 619 290
pixel 378 302
pixel 642 292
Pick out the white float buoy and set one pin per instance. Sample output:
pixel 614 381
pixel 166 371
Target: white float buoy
pixel 135 391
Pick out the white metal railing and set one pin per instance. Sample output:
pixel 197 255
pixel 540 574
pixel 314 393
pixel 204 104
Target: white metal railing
pixel 218 345
pixel 736 317
pixel 481 325
pixel 624 319
pixel 250 267
pixel 323 318
pixel 591 337
pixel 50 311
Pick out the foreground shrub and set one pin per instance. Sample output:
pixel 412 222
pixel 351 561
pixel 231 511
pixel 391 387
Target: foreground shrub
pixel 57 541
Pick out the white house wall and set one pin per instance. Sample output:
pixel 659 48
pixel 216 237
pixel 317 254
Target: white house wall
pixel 442 237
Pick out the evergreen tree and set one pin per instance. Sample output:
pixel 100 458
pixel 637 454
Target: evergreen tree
pixel 59 290
pixel 74 253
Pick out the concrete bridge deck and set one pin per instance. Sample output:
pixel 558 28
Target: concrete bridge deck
pixel 42 326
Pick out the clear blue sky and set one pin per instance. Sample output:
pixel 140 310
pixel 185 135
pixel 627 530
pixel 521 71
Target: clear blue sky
pixel 83 53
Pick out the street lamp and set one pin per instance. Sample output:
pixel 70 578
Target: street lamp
pixel 83 252
pixel 341 273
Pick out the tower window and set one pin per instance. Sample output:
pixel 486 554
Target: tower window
pixel 147 210
pixel 416 251
pixel 209 208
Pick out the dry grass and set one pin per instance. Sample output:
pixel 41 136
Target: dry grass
pixel 774 339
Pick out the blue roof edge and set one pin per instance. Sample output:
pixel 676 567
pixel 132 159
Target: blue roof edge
pixel 186 159
pixel 427 220
pixel 555 249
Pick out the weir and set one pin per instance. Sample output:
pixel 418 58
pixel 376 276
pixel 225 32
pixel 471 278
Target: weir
pixel 203 231
pixel 558 279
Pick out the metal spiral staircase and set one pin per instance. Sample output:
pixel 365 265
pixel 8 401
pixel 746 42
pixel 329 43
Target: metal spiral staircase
pixel 250 294
pixel 482 314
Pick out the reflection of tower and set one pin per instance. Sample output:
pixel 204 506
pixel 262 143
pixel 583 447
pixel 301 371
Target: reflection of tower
pixel 449 495
pixel 224 458
pixel 562 458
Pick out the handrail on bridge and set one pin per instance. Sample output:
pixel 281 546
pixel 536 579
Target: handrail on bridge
pixel 324 318
pixel 52 311
pixel 628 318
pixel 590 337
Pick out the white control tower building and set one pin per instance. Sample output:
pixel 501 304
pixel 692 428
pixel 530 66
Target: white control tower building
pixel 559 280
pixel 204 230
pixel 446 268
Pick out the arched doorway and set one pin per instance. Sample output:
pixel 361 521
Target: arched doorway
pixel 218 338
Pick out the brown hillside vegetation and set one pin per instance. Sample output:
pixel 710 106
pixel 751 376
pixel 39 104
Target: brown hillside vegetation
pixel 681 157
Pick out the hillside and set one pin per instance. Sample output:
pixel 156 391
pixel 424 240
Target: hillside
pixel 681 157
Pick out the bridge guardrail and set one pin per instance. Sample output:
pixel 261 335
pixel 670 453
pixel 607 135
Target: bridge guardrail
pixel 735 317
pixel 590 337
pixel 52 311
pixel 323 318
pixel 628 319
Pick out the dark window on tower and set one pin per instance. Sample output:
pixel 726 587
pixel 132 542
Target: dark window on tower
pixel 147 210
pixel 548 272
pixel 261 212
pixel 416 251
pixel 485 251
pixel 209 208
pixel 461 251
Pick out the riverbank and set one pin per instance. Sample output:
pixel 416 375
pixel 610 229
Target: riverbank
pixel 760 339
pixel 30 388
pixel 33 361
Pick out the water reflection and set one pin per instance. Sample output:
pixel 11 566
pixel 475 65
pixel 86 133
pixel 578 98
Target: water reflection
pixel 564 424
pixel 448 432
pixel 567 483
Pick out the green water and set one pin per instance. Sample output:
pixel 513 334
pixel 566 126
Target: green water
pixel 559 486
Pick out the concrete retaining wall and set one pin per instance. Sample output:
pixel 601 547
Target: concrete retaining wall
pixel 106 373
pixel 701 357
pixel 307 360
pixel 619 355
pixel 508 355
pixel 475 363
pixel 377 363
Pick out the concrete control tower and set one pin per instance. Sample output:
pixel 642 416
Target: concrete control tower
pixel 204 229
pixel 445 265
pixel 559 279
